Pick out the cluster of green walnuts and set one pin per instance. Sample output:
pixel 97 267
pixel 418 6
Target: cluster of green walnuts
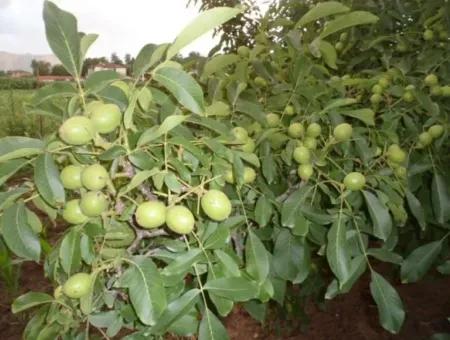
pixel 90 182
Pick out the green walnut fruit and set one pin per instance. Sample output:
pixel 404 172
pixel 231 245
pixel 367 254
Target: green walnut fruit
pixel 72 213
pixel 302 155
pixel 428 35
pixel 106 118
pixel 395 154
pixel 228 176
pixel 354 181
pixel 180 219
pixel 151 214
pixel 249 175
pixel 216 205
pixel 78 285
pixel 431 80
pixel 377 89
pixel 243 51
pixel 305 171
pixel 249 146
pixel 310 143
pixel 436 90
pixel 410 87
pixel 339 46
pixel 384 82
pixel 296 130
pixel 77 130
pixel 94 177
pixel 260 82
pixel 91 106
pixel 445 91
pixel 376 99
pixel 343 132
pixel 400 171
pixel 71 177
pixel 408 97
pixel 272 120
pixel 289 110
pixel 343 36
pixel 240 134
pixel 425 138
pixel 436 130
pixel 313 130
pixel 93 203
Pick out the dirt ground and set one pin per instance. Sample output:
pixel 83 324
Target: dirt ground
pixel 350 316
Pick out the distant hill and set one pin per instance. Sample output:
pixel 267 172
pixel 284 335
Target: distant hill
pixel 13 61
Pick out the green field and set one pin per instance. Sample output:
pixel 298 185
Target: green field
pixel 14 121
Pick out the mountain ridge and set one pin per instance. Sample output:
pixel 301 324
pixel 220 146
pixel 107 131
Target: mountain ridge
pixel 22 61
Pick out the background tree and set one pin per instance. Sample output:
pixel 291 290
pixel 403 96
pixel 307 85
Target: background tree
pixel 129 60
pixel 40 67
pixel 2 73
pixel 59 70
pixel 115 59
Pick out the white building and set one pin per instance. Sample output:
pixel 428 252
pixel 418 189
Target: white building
pixel 121 69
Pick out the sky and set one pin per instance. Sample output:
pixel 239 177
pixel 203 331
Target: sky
pixel 123 26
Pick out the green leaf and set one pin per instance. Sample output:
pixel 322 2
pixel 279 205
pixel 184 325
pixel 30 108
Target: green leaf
pixel 290 256
pixel 337 253
pixel 9 168
pixel 416 208
pixel 182 262
pixel 62 36
pixel 390 306
pixel 147 57
pixel 183 87
pixel 97 81
pixel 203 23
pixel 145 98
pixel 322 10
pixel 348 20
pixel 218 63
pixel 291 207
pixel 18 147
pixel 232 288
pixel 30 300
pixel 211 328
pixel 113 94
pixel 379 213
pixel 257 259
pixel 416 265
pixel 217 239
pixel 18 235
pixel 263 211
pixel 137 180
pixel 145 286
pixel 228 263
pixel 367 116
pixel 385 255
pixel 338 103
pixel 86 41
pixel 175 310
pixel 166 126
pixel 70 253
pixel 440 198
pixel 8 197
pixel 328 53
pixel 46 178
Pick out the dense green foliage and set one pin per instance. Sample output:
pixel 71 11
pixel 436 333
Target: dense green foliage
pixel 7 83
pixel 323 145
